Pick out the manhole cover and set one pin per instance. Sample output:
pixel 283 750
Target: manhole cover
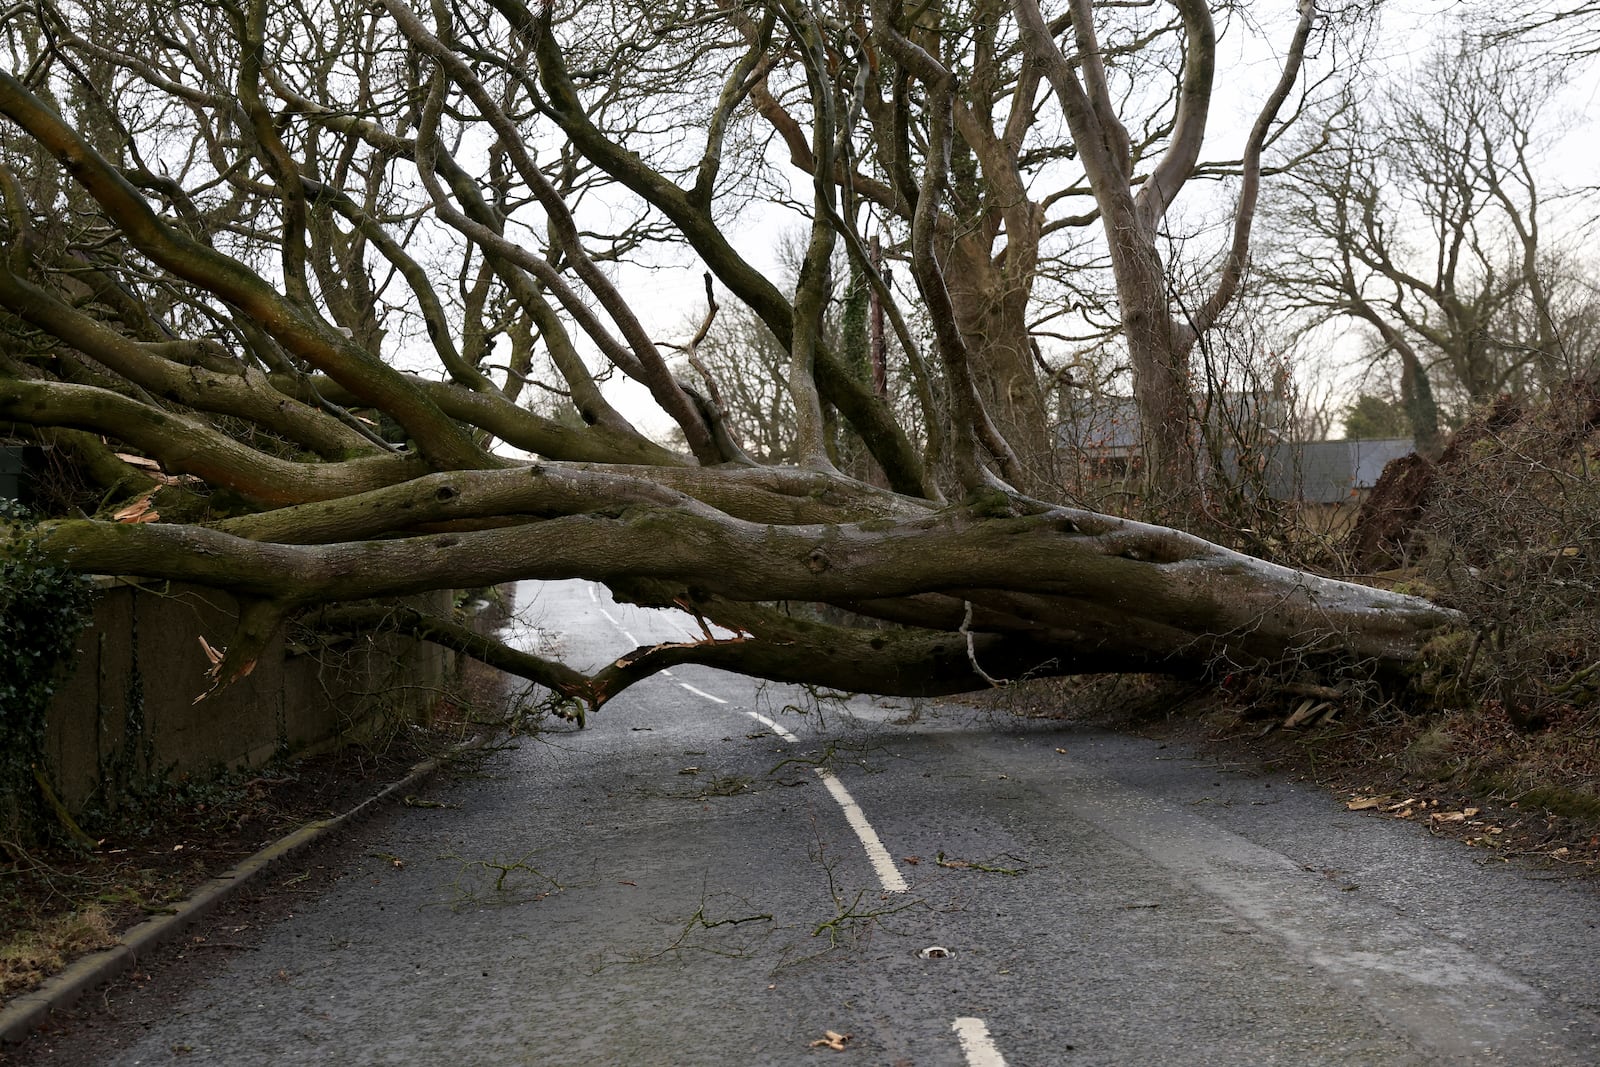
pixel 936 952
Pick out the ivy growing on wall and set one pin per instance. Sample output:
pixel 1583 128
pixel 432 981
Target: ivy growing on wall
pixel 42 610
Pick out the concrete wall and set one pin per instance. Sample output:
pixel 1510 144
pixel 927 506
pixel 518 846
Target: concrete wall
pixel 128 711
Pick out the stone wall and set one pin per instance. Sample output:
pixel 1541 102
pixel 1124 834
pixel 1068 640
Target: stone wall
pixel 128 713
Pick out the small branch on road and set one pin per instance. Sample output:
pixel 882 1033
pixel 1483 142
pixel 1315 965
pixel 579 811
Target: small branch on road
pixel 951 863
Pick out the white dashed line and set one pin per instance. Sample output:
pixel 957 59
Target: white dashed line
pixel 977 1044
pixel 774 727
pixel 893 881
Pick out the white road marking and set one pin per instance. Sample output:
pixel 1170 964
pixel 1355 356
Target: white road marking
pixel 774 727
pixel 977 1044
pixel 893 881
pixel 612 619
pixel 629 636
pixel 1415 980
pixel 593 596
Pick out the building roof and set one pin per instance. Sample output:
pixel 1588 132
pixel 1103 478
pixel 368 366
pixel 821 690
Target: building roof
pixel 1317 472
pixel 1109 425
pixel 1327 472
pixel 1109 428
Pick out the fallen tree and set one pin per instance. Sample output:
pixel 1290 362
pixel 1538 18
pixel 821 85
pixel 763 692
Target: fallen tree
pixel 280 281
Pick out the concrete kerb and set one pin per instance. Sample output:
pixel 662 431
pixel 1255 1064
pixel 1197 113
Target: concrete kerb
pixel 27 1011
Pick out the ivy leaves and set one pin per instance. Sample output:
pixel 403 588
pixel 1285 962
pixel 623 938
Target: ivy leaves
pixel 42 609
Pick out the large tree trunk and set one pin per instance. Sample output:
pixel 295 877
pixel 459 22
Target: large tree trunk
pixel 1002 592
pixel 991 307
pixel 1161 386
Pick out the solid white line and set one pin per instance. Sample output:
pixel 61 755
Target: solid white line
pixel 977 1044
pixel 702 693
pixel 774 727
pixel 893 881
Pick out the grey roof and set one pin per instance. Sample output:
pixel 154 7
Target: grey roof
pixel 1110 426
pixel 1328 472
pixel 1318 472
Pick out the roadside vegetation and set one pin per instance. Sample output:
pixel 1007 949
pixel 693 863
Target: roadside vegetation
pixel 61 898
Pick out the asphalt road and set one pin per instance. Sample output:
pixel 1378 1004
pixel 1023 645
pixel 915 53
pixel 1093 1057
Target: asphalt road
pixel 717 872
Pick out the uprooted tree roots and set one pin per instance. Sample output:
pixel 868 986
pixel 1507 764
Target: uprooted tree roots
pixel 1504 528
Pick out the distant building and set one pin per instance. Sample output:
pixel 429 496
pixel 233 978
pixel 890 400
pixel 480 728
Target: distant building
pixel 1105 442
pixel 1330 472
pixel 1106 434
pixel 1102 433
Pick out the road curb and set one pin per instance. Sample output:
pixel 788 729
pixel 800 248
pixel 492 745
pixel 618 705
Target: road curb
pixel 27 1011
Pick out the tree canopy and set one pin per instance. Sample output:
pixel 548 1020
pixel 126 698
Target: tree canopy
pixel 1424 211
pixel 322 298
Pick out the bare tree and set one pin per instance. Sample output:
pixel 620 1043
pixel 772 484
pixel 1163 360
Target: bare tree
pixel 309 259
pixel 1423 217
pixel 1567 32
pixel 747 367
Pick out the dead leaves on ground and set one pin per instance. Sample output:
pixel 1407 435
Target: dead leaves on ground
pixel 1409 807
pixel 1480 832
pixel 831 1039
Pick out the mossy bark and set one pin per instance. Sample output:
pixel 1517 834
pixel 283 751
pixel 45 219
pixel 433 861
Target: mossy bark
pixel 1055 590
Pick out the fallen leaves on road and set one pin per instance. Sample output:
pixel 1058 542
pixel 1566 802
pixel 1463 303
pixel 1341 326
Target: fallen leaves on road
pixel 1478 834
pixel 831 1039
